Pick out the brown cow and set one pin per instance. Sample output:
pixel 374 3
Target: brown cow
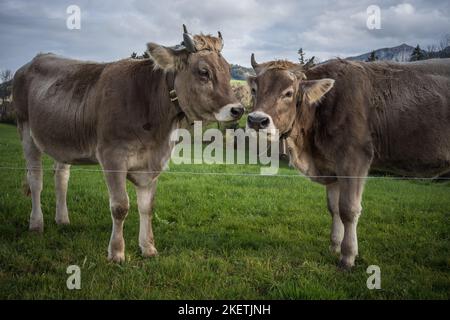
pixel 120 115
pixel 341 118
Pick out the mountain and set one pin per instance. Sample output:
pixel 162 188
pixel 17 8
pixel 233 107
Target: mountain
pixel 401 53
pixel 240 73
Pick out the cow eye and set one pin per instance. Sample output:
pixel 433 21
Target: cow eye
pixel 204 73
pixel 289 94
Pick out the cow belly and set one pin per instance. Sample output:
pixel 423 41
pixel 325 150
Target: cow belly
pixel 428 161
pixel 413 167
pixel 423 154
pixel 415 148
pixel 62 146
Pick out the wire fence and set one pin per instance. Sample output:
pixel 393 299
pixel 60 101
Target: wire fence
pixel 236 174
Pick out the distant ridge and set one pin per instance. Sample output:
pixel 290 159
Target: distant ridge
pixel 401 53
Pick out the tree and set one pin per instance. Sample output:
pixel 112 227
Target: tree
pixel 315 60
pixel 5 75
pixel 431 52
pixel 310 63
pixel 372 57
pixel 444 42
pixel 301 53
pixel 5 86
pixel 417 54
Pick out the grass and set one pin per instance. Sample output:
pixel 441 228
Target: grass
pixel 238 82
pixel 227 237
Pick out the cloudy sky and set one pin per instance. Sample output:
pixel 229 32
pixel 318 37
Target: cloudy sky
pixel 271 29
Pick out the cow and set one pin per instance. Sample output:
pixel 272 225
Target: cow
pixel 120 115
pixel 341 118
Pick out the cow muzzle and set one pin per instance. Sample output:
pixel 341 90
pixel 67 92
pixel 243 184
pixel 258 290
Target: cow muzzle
pixel 259 120
pixel 230 112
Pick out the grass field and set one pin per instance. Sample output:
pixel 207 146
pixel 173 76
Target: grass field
pixel 223 237
pixel 239 82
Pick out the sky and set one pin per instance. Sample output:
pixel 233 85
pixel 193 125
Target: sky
pixel 271 29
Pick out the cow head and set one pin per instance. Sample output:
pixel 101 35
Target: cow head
pixel 282 95
pixel 202 77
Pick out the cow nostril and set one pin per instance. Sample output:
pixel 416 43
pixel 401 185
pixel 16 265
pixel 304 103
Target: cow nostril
pixel 265 122
pixel 258 122
pixel 237 112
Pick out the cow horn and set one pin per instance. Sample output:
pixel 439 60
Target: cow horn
pixel 309 64
pixel 221 39
pixel 255 65
pixel 188 40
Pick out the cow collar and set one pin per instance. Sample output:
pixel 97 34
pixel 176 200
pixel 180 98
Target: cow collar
pixel 170 81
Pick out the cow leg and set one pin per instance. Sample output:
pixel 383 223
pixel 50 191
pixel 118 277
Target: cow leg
pixel 119 205
pixel 145 184
pixel 34 176
pixel 62 173
pixel 145 197
pixel 337 228
pixel 349 210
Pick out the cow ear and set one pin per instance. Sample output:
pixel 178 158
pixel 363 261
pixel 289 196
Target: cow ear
pixel 314 90
pixel 251 81
pixel 164 57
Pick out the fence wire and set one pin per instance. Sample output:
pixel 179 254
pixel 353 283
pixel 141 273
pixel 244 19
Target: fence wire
pixel 235 174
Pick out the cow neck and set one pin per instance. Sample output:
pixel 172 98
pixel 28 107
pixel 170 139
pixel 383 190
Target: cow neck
pixel 170 82
pixel 286 134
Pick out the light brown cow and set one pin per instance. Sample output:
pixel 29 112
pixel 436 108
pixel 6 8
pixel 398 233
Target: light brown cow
pixel 120 115
pixel 341 118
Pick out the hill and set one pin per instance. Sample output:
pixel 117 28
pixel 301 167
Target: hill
pixel 240 73
pixel 401 53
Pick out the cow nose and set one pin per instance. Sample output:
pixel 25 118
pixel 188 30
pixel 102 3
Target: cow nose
pixel 237 112
pixel 258 121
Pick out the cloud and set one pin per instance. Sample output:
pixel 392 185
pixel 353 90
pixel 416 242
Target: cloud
pixel 343 31
pixel 110 31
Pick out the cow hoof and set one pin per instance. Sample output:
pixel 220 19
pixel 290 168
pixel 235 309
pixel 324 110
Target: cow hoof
pixel 149 251
pixel 335 249
pixel 116 258
pixel 62 222
pixel 37 227
pixel 345 265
